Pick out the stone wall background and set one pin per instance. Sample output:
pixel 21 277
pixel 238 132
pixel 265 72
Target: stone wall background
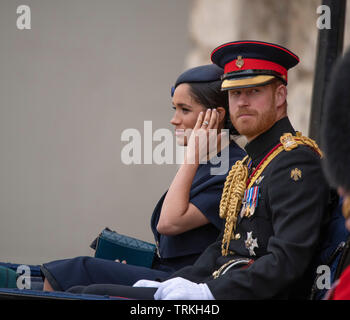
pixel 289 23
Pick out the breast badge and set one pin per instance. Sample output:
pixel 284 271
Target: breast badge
pixel 251 243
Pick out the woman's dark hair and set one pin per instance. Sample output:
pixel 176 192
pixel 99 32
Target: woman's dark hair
pixel 209 95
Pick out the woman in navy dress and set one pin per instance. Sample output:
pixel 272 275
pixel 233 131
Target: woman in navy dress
pixel 186 219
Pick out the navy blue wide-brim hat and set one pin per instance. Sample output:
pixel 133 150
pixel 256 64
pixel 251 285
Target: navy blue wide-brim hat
pixel 205 73
pixel 250 63
pixel 335 131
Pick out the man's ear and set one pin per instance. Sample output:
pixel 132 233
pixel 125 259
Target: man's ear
pixel 280 95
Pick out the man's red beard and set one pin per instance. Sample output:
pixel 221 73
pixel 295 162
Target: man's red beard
pixel 256 123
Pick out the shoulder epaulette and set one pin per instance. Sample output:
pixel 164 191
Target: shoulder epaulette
pixel 287 143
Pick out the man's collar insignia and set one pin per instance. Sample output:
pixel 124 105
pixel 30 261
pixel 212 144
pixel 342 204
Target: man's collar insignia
pixel 288 142
pixel 295 174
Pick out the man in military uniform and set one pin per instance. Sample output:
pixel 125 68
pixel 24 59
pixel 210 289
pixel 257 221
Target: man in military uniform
pixel 274 201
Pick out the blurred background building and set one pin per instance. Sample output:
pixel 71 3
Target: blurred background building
pixel 86 71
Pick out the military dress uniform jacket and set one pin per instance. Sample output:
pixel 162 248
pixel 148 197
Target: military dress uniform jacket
pixel 283 232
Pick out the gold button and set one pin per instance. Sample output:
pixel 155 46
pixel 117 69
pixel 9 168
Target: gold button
pixel 237 236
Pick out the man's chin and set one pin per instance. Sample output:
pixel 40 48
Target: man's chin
pixel 245 130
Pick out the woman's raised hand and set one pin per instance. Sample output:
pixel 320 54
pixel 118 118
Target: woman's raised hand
pixel 204 137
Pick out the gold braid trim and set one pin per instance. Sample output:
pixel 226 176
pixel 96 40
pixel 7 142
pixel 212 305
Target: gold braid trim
pixel 236 184
pixel 231 199
pixel 264 165
pixel 308 142
pixel 290 142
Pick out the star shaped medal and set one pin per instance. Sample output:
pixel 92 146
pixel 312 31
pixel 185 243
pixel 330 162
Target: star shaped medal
pixel 251 243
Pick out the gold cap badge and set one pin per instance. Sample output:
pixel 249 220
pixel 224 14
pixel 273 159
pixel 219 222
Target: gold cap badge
pixel 240 62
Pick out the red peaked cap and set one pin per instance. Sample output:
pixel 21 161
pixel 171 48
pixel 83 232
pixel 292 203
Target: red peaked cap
pixel 251 63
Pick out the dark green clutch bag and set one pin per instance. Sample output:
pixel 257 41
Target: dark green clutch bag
pixel 8 278
pixel 112 245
